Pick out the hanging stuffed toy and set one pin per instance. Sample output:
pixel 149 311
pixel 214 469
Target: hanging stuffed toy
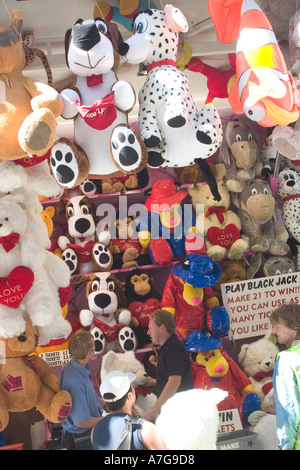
pixel 174 131
pixel 263 89
pixel 28 109
pixel 217 80
pixel 189 296
pixel 104 144
pixel 123 14
pixel 167 227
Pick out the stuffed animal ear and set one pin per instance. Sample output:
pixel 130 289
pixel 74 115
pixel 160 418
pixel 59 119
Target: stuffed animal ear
pixel 114 35
pixel 61 207
pixel 242 352
pixel 67 44
pixel 175 20
pixel 16 20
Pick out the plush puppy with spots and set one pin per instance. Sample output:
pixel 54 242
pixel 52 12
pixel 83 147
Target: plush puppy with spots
pixel 174 131
pixel 83 249
pixel 104 145
pixel 108 320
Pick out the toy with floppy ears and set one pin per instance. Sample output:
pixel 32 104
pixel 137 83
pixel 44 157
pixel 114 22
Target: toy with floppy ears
pixel 99 105
pixel 213 367
pixel 167 227
pixel 27 381
pixel 28 109
pixel 189 296
pixel 106 316
pixel 174 131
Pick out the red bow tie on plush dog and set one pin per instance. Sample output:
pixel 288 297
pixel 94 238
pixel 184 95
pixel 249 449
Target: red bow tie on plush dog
pixel 9 241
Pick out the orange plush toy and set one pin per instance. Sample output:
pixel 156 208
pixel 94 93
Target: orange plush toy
pixel 27 382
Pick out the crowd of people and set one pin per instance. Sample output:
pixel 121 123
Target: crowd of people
pixel 89 427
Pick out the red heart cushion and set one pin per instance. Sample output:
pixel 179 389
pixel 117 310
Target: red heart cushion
pixel 223 237
pixel 15 286
pixel 142 310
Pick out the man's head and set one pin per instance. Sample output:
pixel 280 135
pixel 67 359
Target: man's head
pixel 80 345
pixel 285 321
pixel 116 389
pixel 161 326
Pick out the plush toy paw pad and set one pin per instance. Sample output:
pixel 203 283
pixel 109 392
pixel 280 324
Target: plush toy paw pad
pixel 155 159
pixel 99 339
pixel 177 121
pixel 70 258
pixel 126 149
pixel 88 187
pixel 102 256
pixel 127 339
pixel 64 165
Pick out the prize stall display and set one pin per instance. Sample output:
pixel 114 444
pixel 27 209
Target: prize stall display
pixel 184 211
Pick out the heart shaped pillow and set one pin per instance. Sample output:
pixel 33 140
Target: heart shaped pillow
pixel 15 286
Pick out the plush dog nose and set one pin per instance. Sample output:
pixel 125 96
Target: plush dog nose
pixel 102 300
pixel 85 36
pixel 123 48
pixel 82 225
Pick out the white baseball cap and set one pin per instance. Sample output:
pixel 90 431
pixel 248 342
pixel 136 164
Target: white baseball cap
pixel 115 385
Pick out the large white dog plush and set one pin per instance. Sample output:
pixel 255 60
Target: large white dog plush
pixel 173 129
pixel 104 144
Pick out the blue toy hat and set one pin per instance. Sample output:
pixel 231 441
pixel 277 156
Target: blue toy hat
pixel 198 270
pixel 197 341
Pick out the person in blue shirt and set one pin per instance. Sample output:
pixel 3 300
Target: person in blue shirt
pixel 119 396
pixel 285 321
pixel 86 406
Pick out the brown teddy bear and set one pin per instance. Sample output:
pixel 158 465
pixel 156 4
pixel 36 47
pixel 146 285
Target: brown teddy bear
pixel 28 109
pixel 221 225
pixel 28 381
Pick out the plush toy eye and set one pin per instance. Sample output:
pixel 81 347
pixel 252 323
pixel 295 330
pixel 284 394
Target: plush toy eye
pixel 110 286
pixel 254 191
pixel 186 264
pixel 277 272
pixel 95 286
pixel 101 26
pixel 250 136
pixel 134 279
pixel 238 138
pixel 141 26
pixel 144 277
pixel 266 191
pixel 256 113
pixel 70 211
pixel 292 177
pixel 285 177
pixel 84 210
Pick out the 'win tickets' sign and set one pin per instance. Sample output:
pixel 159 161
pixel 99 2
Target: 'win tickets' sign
pixel 250 303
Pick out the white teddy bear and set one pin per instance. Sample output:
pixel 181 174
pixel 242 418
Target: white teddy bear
pixel 31 277
pixel 190 420
pixel 127 362
pixel 257 360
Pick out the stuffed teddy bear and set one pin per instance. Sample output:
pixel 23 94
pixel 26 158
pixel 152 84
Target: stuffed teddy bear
pixel 47 215
pixel 174 131
pixel 256 212
pixel 124 183
pixel 197 427
pixel 239 152
pixel 99 104
pixel 231 271
pixel 142 300
pixel 221 225
pixel 257 360
pixel 192 174
pixel 189 296
pixel 84 250
pixel 213 367
pixel 127 362
pixel 127 251
pixel 217 80
pixel 167 226
pixel 33 280
pixel 106 316
pixel 28 109
pixel 27 381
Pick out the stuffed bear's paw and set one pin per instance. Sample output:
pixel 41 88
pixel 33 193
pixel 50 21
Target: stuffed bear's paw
pixel 99 339
pixel 37 133
pixel 126 149
pixel 127 339
pixel 68 164
pixel 70 258
pixel 102 257
pixel 88 188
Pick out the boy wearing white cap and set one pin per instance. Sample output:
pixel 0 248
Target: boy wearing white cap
pixel 119 395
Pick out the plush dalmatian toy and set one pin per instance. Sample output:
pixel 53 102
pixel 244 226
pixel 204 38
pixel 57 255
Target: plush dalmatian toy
pixel 104 144
pixel 289 189
pixel 108 320
pixel 174 131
